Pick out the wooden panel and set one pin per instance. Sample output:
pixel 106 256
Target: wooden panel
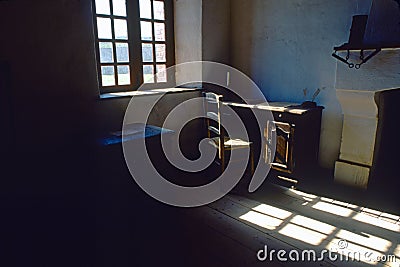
pixel 302 145
pixel 283 160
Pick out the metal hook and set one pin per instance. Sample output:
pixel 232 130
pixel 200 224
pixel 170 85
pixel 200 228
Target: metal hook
pixel 351 65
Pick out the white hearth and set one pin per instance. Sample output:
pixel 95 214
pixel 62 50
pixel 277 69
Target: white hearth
pixel 355 90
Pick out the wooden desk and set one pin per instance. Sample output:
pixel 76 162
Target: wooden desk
pixel 298 134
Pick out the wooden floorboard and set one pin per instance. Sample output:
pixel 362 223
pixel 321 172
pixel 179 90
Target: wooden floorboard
pixel 245 236
pixel 236 227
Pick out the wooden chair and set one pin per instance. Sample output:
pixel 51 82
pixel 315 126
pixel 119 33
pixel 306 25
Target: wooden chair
pixel 216 133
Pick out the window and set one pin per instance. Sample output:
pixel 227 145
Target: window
pixel 134 41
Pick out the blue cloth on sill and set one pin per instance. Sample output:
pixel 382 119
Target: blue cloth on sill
pixel 133 132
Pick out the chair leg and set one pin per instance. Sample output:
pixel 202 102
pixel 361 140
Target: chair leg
pixel 222 160
pixel 251 159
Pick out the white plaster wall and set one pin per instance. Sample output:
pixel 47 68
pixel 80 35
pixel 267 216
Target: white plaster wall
pixel 380 72
pixel 188 42
pixel 188 30
pixel 202 33
pixel 216 31
pixel 285 46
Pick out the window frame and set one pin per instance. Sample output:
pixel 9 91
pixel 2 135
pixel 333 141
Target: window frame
pixel 135 46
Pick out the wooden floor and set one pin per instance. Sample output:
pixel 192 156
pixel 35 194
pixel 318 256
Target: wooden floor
pixel 133 229
pixel 230 231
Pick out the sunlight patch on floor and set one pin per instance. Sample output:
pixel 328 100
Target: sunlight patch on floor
pixel 331 208
pixel 366 245
pixel 313 224
pixel 302 234
pixel 372 212
pixel 263 220
pixel 300 193
pixel 390 216
pixel 272 211
pixel 362 217
pixel 353 252
pixel 366 240
pixel 397 251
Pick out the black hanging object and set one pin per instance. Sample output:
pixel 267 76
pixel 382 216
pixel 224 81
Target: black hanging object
pixel 357 31
pixel 356 42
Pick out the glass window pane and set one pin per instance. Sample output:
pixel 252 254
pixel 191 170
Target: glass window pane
pixel 161 73
pixel 119 7
pixel 104 28
pixel 106 52
pixel 148 74
pixel 121 29
pixel 107 75
pixel 159 31
pixel 145 28
pixel 160 53
pixel 145 9
pixel 124 77
pixel 122 52
pixel 147 52
pixel 158 7
pixel 103 7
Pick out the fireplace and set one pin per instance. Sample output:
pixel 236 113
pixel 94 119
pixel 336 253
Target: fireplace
pixel 364 95
pixel 367 82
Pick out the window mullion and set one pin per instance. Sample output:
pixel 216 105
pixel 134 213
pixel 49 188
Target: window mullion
pixel 153 41
pixel 113 43
pixel 169 33
pixel 97 45
pixel 135 43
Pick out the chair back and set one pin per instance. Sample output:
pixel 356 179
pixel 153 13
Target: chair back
pixel 212 107
pixel 214 114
